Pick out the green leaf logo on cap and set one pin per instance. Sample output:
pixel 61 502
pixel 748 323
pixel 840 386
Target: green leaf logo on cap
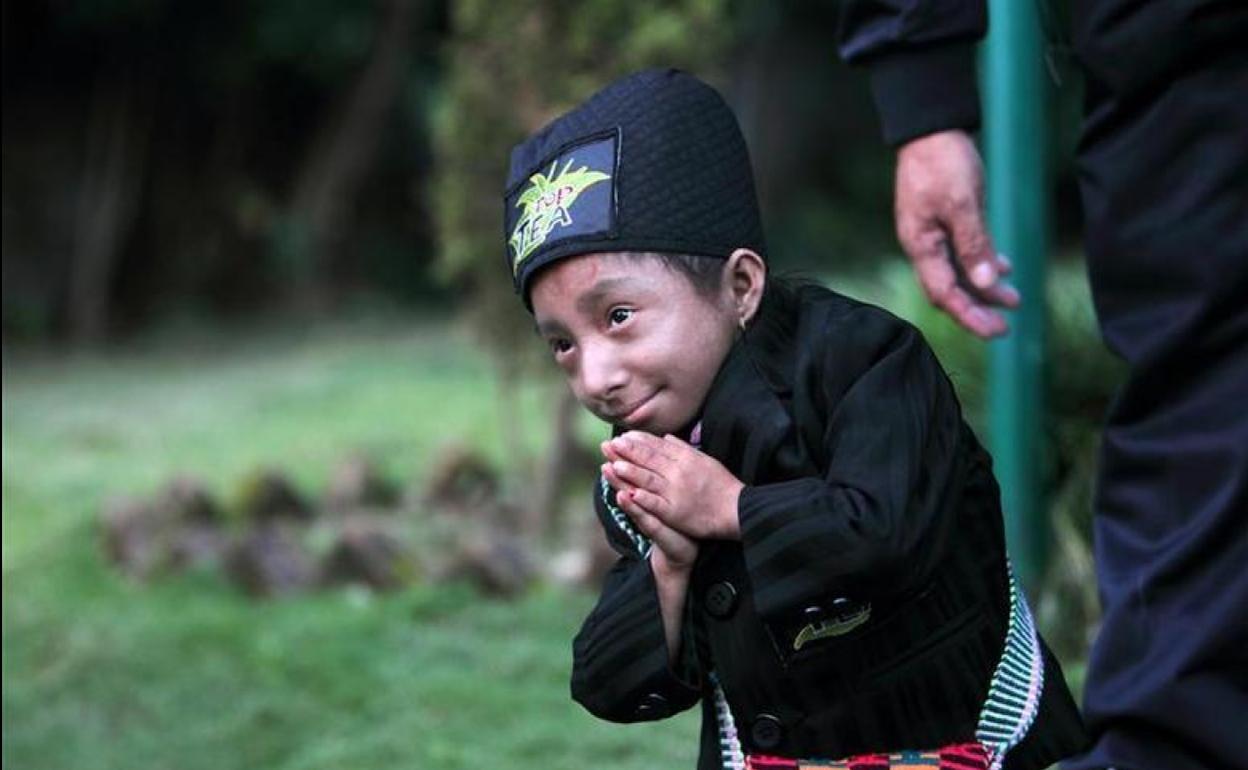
pixel 546 204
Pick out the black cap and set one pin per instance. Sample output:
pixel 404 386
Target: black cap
pixel 653 162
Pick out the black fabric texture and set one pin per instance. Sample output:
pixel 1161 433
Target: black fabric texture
pixel 921 58
pixel 1163 165
pixel 682 182
pixel 864 485
pixel 922 92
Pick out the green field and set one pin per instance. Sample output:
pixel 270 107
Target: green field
pixel 186 673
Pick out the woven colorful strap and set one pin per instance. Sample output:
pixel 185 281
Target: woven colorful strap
pixel 961 756
pixel 1017 683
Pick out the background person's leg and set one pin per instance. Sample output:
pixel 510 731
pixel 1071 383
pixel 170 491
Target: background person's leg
pixel 1165 188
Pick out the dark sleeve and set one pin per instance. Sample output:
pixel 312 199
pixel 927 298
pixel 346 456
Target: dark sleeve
pixel 921 59
pixel 891 447
pixel 620 669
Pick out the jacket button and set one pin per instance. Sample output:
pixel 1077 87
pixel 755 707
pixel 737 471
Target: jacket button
pixel 813 614
pixel 766 731
pixel 721 599
pixel 653 706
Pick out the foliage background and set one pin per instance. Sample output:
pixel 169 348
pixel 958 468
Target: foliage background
pixel 266 233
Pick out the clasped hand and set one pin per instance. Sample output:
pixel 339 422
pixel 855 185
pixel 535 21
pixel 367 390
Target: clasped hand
pixel 675 494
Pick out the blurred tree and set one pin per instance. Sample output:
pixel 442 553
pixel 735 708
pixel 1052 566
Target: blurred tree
pixel 512 68
pixel 340 153
pixel 117 147
pixel 117 150
pixel 165 160
pixel 162 158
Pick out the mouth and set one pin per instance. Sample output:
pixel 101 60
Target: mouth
pixel 630 413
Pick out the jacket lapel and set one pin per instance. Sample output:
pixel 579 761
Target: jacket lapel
pixel 745 423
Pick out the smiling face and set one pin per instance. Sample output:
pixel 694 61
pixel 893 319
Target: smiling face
pixel 638 344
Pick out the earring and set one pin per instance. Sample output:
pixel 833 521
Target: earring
pixel 741 322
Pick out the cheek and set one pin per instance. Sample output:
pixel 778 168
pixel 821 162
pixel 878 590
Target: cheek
pixel 703 344
pixel 573 381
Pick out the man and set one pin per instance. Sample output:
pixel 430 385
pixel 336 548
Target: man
pixel 1163 170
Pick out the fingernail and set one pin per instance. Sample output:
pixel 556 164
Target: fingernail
pixel 983 319
pixel 983 275
pixel 618 466
pixel 1011 294
pixel 1006 264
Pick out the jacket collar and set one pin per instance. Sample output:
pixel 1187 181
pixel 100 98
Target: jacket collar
pixel 745 419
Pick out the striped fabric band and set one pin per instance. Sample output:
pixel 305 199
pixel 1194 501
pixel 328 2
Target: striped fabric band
pixel 730 755
pixel 961 756
pixel 622 521
pixel 1017 683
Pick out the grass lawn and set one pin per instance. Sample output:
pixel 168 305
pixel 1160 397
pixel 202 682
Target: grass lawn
pixel 186 673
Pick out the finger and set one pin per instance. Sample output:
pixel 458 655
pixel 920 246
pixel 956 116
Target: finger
pixel 677 443
pixel 643 449
pixel 1001 295
pixel 653 504
pixel 646 521
pixel 974 316
pixel 944 292
pixel 638 476
pixel 644 441
pixel 925 245
pixel 972 244
pixel 651 524
pixel 664 537
pixel 615 481
pixel 608 450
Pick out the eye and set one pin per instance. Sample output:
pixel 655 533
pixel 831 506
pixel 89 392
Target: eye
pixel 619 315
pixel 559 345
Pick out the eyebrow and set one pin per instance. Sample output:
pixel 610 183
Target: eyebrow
pixel 592 298
pixel 586 303
pixel 549 328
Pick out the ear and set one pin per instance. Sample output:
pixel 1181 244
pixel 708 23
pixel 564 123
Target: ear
pixel 745 275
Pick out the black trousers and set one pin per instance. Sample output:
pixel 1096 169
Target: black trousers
pixel 1164 178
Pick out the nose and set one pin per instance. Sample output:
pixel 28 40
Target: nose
pixel 602 374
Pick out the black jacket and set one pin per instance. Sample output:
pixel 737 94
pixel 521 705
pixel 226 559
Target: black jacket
pixel 921 53
pixel 867 604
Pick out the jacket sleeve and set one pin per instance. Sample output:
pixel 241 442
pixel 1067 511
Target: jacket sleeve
pixel 921 59
pixel 621 669
pixel 872 526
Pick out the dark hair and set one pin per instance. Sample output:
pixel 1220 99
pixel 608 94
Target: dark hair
pixel 781 296
pixel 706 275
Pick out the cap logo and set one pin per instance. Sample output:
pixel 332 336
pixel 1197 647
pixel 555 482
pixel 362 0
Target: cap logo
pixel 548 204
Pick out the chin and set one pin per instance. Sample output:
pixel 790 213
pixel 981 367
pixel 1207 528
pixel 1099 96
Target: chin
pixel 653 425
pixel 645 426
pixel 659 417
pixel 659 426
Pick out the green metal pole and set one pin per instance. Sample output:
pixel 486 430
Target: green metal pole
pixel 1015 144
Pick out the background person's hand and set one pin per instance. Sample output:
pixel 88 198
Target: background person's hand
pixel 939 210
